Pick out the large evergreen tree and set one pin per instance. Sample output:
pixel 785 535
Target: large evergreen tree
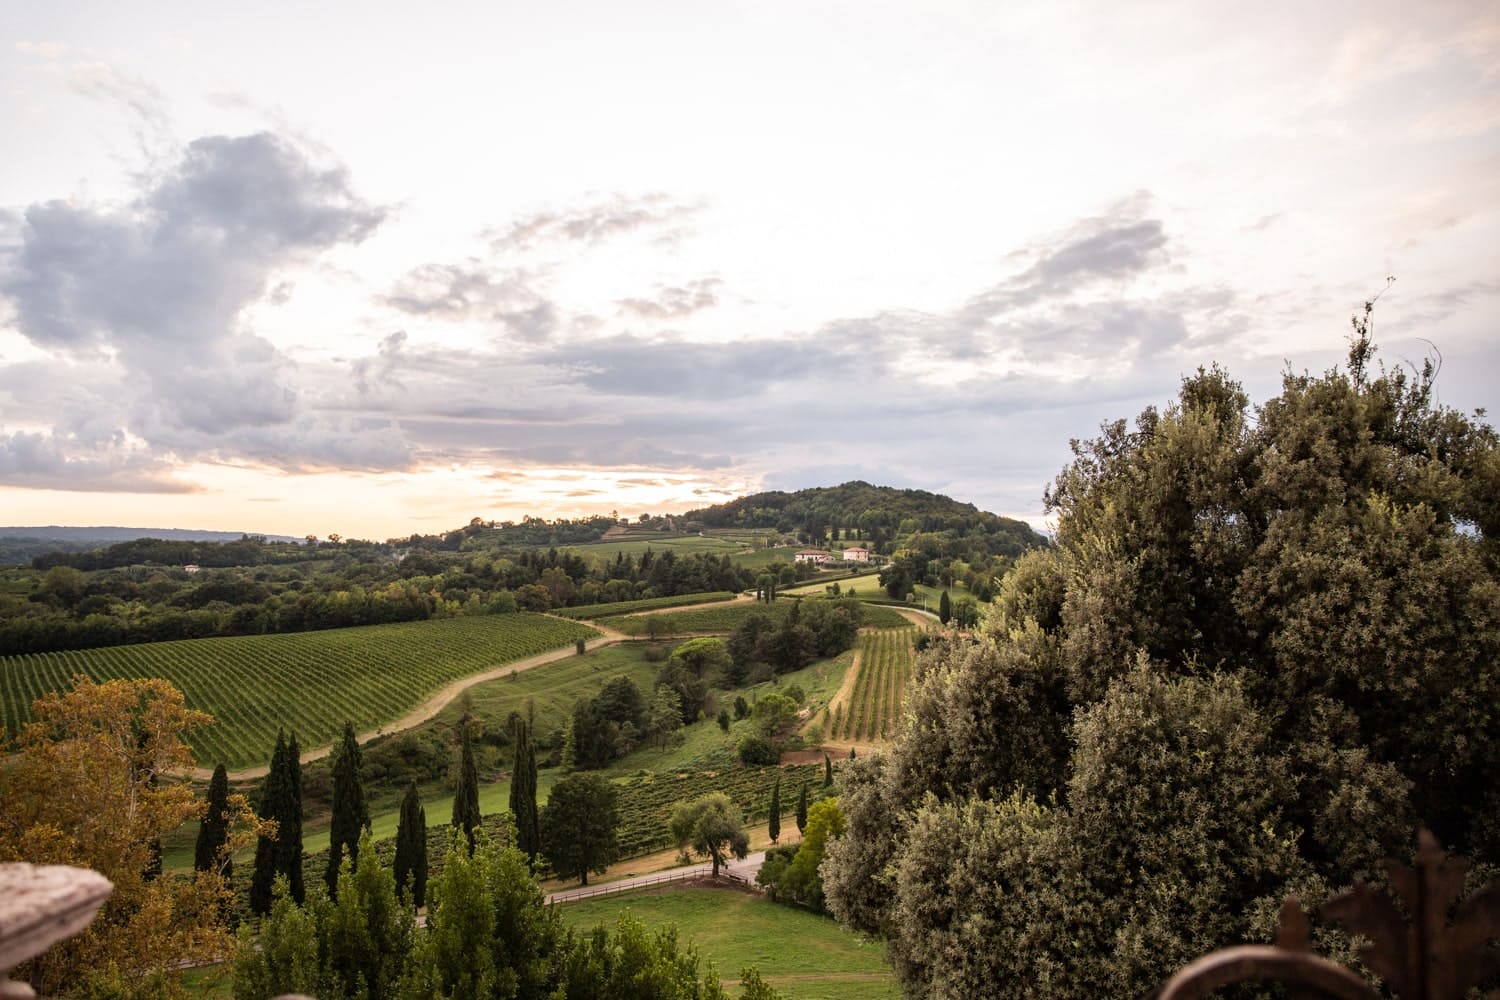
pixel 774 826
pixel 1263 651
pixel 351 813
pixel 466 795
pixel 280 800
pixel 523 789
pixel 802 809
pixel 410 866
pixel 214 830
pixel 945 608
pixel 578 826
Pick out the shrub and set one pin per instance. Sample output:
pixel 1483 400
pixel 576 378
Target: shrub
pixel 757 751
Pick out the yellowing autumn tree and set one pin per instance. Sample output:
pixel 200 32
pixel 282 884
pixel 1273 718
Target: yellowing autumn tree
pixel 93 783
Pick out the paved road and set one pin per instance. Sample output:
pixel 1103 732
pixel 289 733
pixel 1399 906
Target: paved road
pixel 745 869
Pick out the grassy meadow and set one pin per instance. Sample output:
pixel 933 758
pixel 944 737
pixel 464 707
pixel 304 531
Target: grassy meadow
pixel 801 954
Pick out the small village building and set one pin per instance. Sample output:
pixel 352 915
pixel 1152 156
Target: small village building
pixel 857 554
pixel 816 556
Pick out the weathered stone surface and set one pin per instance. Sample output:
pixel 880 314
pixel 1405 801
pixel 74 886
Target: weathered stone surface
pixel 41 905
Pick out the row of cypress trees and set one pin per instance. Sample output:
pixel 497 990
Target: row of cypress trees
pixel 281 801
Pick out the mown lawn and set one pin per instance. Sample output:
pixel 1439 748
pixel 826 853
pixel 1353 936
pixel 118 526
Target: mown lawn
pixel 801 954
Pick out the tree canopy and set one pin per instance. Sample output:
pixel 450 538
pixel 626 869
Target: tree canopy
pixel 1262 651
pixel 713 826
pixel 578 826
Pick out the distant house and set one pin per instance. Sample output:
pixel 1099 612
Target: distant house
pixel 817 556
pixel 857 554
pixel 190 568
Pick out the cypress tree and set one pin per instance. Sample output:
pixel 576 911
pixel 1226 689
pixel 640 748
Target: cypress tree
pixel 411 848
pixel 827 772
pixel 265 848
pixel 802 810
pixel 214 830
pixel 351 813
pixel 523 791
pixel 945 608
pixel 775 824
pixel 466 796
pixel 289 841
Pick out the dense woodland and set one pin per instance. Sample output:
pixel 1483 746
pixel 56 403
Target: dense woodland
pixel 1264 651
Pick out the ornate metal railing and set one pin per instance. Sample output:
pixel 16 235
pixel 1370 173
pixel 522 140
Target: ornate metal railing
pixel 1420 955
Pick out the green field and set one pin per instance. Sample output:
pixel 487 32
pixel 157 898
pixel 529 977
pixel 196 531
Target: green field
pixel 728 618
pixel 587 612
pixel 801 954
pixel 866 585
pixel 634 545
pixel 307 682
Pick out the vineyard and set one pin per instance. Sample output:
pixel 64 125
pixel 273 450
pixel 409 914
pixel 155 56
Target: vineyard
pixel 308 682
pixel 646 801
pixel 874 709
pixel 585 612
pixel 728 618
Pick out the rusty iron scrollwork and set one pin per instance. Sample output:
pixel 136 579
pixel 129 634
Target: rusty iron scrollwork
pixel 1424 958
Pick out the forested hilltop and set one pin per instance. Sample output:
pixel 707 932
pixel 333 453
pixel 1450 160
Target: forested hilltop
pixel 881 514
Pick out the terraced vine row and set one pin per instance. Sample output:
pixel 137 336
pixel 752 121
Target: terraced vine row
pixel 308 682
pixel 728 618
pixel 646 802
pixel 585 612
pixel 874 708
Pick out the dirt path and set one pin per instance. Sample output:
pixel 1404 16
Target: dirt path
pixel 841 696
pixel 437 701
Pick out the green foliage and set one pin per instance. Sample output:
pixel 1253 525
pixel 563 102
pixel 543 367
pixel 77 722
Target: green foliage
pixel 757 750
pixel 713 826
pixel 281 801
pixel 1266 646
pixel 774 716
pixel 466 796
pixel 802 809
pixel 725 619
pixel 351 814
pixel 591 611
pixel 579 826
pixel 410 865
pixel 253 684
pixel 213 832
pixel 705 657
pixel 793 878
pixel 523 787
pixel 278 955
pixel 945 608
pixel 773 817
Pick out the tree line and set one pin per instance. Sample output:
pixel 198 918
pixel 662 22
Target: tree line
pixel 69 608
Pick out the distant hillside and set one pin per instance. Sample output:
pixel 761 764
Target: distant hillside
pixel 20 545
pixel 103 535
pixel 880 513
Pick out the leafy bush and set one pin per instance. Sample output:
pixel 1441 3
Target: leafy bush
pixel 756 750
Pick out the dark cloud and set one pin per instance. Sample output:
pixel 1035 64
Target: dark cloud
pixel 605 218
pixel 674 302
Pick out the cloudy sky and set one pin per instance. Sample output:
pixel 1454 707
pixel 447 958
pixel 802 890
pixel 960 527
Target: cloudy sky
pixel 379 268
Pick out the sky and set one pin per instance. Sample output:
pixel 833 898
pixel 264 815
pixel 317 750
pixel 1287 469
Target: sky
pixel 375 269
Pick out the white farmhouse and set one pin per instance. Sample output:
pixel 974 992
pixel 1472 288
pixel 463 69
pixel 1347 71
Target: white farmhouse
pixel 816 556
pixel 857 554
